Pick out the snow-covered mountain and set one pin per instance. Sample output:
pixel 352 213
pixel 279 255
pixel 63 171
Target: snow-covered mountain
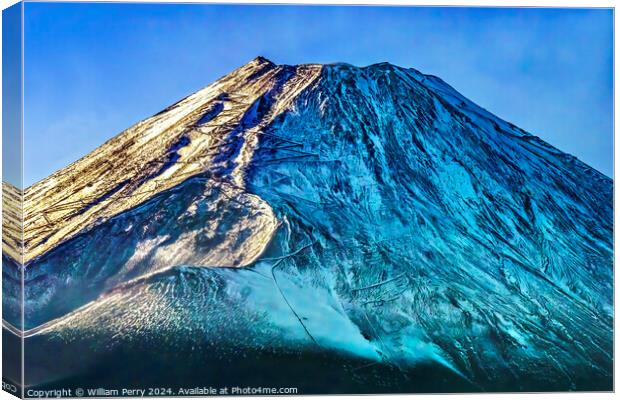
pixel 288 222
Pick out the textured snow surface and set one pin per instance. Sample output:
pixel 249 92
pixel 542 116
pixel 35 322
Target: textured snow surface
pixel 382 221
pixel 159 153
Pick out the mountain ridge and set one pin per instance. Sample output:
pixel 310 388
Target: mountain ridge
pixel 46 206
pixel 36 221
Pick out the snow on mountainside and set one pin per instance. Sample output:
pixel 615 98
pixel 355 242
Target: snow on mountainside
pixel 12 221
pixel 377 212
pixel 158 153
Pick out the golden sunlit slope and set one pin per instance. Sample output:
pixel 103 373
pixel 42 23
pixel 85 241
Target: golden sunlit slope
pixel 159 153
pixel 11 221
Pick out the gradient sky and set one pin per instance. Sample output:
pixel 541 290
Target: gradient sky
pixel 93 70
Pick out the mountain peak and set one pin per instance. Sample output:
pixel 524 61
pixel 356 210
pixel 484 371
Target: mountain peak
pixel 260 60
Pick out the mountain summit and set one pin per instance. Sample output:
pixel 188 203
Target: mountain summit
pixel 370 222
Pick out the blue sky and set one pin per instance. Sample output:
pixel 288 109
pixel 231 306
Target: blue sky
pixel 93 70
